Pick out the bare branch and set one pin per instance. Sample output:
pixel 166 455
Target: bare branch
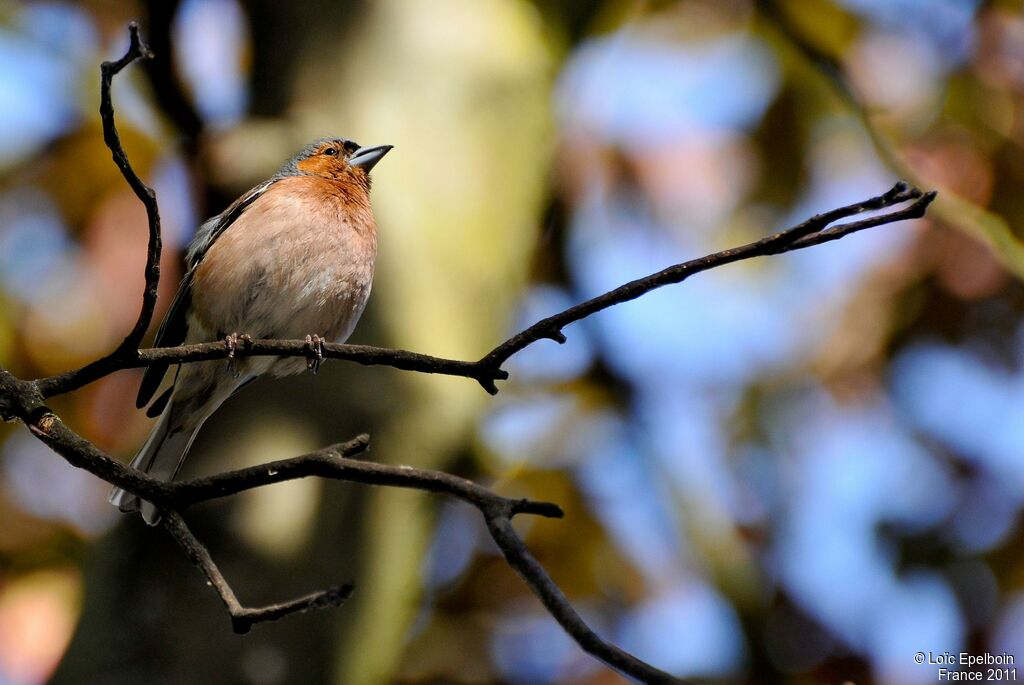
pixel 244 618
pixel 128 349
pixel 336 462
pixel 333 462
pixel 137 49
pixel 361 354
pixel 806 234
pixel 914 210
pixel 551 596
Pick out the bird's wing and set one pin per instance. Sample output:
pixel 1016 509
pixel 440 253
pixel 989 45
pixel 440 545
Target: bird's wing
pixel 212 229
pixel 174 328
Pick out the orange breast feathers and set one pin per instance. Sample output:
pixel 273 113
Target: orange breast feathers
pixel 297 258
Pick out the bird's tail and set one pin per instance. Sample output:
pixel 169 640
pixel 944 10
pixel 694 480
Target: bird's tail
pixel 160 457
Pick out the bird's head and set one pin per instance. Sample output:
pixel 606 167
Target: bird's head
pixel 337 159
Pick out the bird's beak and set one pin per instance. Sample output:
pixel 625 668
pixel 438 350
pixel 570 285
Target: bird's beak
pixel 367 157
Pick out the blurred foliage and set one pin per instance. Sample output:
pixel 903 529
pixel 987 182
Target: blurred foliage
pixel 797 470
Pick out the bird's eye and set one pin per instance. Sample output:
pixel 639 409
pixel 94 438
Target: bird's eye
pixel 331 151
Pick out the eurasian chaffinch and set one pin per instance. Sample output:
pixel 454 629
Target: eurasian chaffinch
pixel 291 258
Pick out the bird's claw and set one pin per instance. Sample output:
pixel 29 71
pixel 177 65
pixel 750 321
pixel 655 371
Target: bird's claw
pixel 232 342
pixel 314 353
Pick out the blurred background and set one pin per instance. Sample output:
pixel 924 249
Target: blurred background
pixel 801 469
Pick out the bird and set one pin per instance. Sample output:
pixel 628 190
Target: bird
pixel 292 258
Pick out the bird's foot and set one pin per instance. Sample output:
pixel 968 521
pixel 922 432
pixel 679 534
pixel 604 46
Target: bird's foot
pixel 232 342
pixel 314 353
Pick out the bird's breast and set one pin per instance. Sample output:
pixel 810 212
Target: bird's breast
pixel 298 261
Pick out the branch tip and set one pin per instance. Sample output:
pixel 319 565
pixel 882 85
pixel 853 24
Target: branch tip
pixel 557 336
pixel 899 189
pixel 350 448
pixel 137 45
pixel 488 385
pixel 243 619
pixel 528 506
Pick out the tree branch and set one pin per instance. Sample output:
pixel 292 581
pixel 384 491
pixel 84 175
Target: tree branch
pixel 811 232
pixel 361 354
pixel 554 600
pixel 244 618
pixel 128 349
pixel 332 462
pixel 137 49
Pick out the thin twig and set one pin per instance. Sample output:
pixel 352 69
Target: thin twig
pixel 554 600
pixel 128 349
pixel 914 210
pixel 137 49
pixel 810 232
pixel 244 618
